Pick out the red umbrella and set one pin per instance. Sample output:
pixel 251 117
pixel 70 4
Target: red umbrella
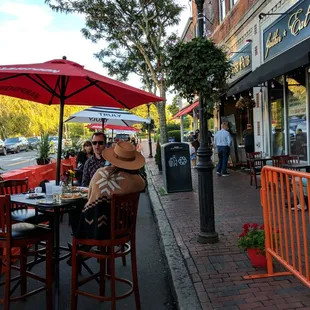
pixel 63 82
pixel 113 127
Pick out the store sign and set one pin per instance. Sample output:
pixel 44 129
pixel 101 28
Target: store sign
pixel 241 62
pixel 288 30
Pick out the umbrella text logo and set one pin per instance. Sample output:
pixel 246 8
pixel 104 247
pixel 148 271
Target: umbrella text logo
pixel 110 115
pixel 22 90
pixel 29 69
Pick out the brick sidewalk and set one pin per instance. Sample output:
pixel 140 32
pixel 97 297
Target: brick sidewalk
pixel 217 270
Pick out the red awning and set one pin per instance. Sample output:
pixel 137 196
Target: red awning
pixel 186 110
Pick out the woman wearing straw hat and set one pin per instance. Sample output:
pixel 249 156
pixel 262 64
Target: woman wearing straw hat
pixel 122 177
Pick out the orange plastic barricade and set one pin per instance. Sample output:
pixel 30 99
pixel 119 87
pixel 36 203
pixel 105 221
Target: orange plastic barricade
pixel 285 198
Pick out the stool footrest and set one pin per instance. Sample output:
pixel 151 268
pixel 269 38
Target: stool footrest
pixel 107 298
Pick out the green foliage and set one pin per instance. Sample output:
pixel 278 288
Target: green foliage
pixel 176 134
pixel 173 126
pixel 136 37
pixel 25 118
pixel 44 148
pixel 252 237
pixel 197 67
pixel 158 157
pixel 174 107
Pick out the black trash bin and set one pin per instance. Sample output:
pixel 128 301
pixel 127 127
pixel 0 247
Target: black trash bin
pixel 176 167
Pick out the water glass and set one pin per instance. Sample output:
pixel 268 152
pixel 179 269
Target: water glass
pixel 56 190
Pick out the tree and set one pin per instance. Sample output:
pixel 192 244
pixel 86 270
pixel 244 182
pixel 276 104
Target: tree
pixel 136 36
pixel 25 118
pixel 198 67
pixel 174 107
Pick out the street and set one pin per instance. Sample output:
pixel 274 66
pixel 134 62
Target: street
pixel 17 161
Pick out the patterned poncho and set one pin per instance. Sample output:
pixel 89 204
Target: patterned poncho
pixel 94 221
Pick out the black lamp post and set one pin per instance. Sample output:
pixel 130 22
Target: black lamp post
pixel 149 130
pixel 205 166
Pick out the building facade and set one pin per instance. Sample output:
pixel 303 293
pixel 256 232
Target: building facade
pixel 268 42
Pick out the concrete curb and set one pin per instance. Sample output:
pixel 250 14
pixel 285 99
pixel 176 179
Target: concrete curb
pixel 181 284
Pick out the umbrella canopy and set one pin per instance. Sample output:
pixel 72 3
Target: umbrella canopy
pixel 63 82
pixel 108 116
pixel 112 127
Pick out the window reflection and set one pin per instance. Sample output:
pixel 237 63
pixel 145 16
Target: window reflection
pixel 277 116
pixel 297 117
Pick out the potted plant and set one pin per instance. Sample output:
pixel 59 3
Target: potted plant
pixel 245 103
pixel 252 240
pixel 43 150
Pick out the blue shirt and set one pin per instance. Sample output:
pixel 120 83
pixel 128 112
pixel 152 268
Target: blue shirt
pixel 222 138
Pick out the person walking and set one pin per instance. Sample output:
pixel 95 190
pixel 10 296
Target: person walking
pixel 193 155
pixel 223 142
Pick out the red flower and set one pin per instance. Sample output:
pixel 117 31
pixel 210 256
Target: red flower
pixel 254 225
pixel 246 226
pixel 262 227
pixel 242 235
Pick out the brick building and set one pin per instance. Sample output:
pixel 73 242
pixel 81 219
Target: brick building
pixel 268 42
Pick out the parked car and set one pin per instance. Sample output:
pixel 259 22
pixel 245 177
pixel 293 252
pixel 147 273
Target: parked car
pixel 122 137
pixel 2 148
pixel 33 142
pixel 15 145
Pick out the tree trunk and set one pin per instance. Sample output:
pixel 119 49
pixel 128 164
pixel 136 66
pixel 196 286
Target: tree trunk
pixel 161 108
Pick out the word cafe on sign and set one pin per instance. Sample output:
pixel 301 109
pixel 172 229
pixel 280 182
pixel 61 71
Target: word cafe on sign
pixel 286 43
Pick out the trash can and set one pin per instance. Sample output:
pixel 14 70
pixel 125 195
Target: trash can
pixel 176 167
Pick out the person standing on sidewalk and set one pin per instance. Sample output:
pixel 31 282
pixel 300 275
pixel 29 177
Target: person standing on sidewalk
pixel 223 142
pixel 248 137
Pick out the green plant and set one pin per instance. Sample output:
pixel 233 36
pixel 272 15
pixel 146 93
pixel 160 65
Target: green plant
pixel 245 103
pixel 176 134
pixel 44 150
pixel 252 237
pixel 158 157
pixel 198 66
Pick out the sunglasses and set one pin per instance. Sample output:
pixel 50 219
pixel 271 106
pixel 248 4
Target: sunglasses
pixel 99 142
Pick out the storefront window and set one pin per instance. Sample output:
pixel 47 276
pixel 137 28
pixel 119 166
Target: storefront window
pixel 277 116
pixel 297 112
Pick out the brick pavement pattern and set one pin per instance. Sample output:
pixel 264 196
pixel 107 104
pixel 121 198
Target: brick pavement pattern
pixel 217 270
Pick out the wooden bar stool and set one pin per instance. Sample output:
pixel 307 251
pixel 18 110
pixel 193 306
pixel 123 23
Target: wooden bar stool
pixel 121 229
pixel 21 235
pixel 21 213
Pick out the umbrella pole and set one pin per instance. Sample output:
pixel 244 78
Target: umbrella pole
pixel 61 114
pixel 112 133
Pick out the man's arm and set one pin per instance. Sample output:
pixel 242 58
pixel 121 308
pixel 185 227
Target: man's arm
pixel 86 178
pixel 228 139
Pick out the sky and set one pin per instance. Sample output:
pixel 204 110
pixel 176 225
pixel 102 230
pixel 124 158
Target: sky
pixel 30 32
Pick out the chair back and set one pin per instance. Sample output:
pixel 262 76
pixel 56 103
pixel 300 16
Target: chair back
pixel 276 160
pixel 11 187
pixel 290 159
pixel 124 209
pixel 5 217
pixel 254 155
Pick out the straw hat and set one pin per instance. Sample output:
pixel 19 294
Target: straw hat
pixel 124 155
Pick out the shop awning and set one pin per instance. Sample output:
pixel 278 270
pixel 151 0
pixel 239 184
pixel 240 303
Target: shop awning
pixel 186 110
pixel 293 58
